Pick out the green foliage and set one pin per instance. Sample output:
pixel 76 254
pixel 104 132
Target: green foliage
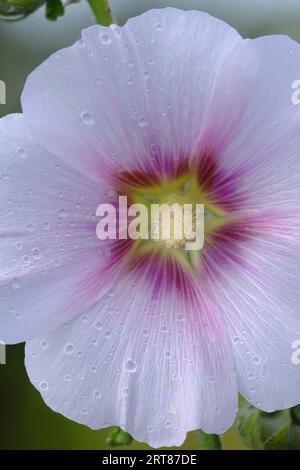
pixel 12 10
pixel 54 9
pixel 269 431
pixel 119 438
pixel 208 441
pixel 101 11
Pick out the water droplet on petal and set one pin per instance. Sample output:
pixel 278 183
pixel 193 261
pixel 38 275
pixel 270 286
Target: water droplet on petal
pixel 21 153
pixel 69 348
pixel 36 253
pixel 142 122
pixel 130 365
pixel 43 386
pixel 98 325
pixel 15 283
pixel 87 118
pixel 105 39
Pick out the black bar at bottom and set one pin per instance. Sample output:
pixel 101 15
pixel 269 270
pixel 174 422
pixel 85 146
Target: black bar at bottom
pixel 135 459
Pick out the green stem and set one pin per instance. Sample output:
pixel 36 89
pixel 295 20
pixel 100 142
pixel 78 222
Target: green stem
pixel 102 11
pixel 208 441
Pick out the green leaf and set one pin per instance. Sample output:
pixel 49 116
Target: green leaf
pixel 274 429
pixel 27 4
pixel 295 413
pixel 101 11
pixel 279 430
pixel 208 441
pixel 294 437
pixel 294 432
pixel 54 9
pixel 247 426
pixel 13 10
pixel 119 438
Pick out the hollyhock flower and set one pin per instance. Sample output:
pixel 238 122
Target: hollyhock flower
pixel 140 334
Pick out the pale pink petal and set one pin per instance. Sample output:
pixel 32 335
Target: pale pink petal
pixel 255 280
pixel 258 144
pixel 50 257
pixel 152 365
pixel 124 96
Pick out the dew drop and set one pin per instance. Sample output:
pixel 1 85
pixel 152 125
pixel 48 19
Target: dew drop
pixel 130 365
pixel 36 253
pixel 44 386
pixel 15 283
pixel 69 348
pixel 105 39
pixel 142 122
pixel 87 118
pixel 21 153
pixel 30 227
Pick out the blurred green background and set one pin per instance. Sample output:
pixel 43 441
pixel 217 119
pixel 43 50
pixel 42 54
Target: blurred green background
pixel 26 422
